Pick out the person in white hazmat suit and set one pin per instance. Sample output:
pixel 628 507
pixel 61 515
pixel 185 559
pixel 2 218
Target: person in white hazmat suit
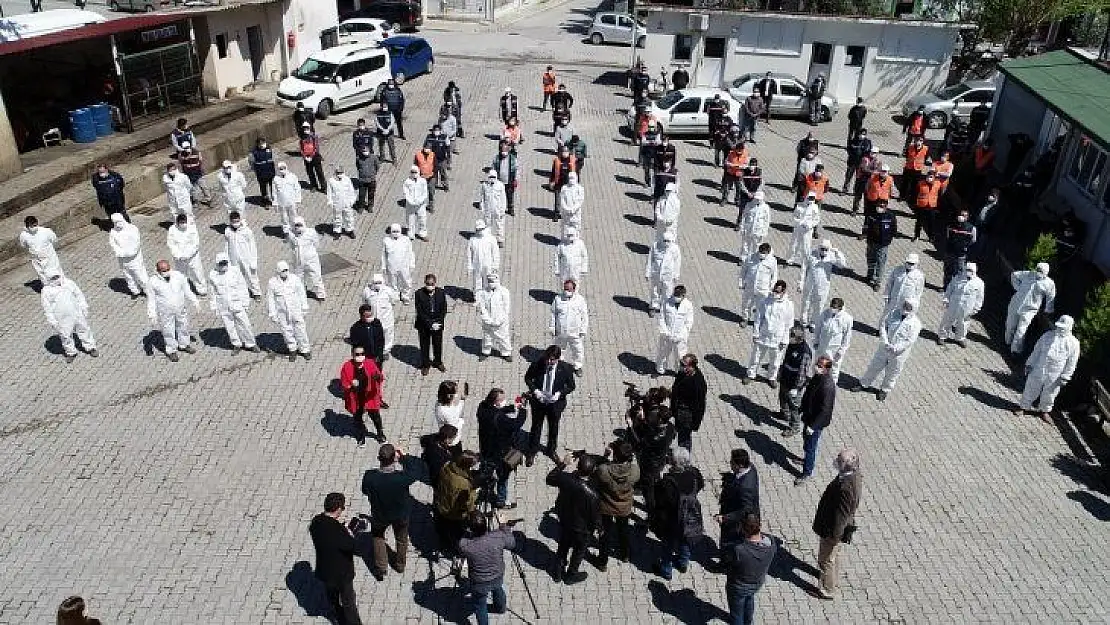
pixel 572 261
pixel 754 224
pixel 67 312
pixel 667 209
pixel 127 247
pixel 398 262
pixel 570 323
pixel 287 195
pixel 166 308
pixel 483 256
pixel 231 299
pixel 663 270
pixel 341 200
pixel 773 321
pixel 241 248
pixel 897 334
pixel 676 319
pixel 183 239
pixel 39 241
pixel 1049 368
pixel 807 215
pixel 415 197
pixel 962 300
pixel 1031 290
pixel 233 187
pixel 495 314
pixel 179 192
pixel 286 305
pixel 492 204
pixel 381 297
pixel 816 280
pixel 758 274
pixel 572 197
pixel 304 244
pixel 833 335
pixel 903 284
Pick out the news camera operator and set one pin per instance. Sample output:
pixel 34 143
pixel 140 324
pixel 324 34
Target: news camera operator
pixel 688 395
pixel 578 509
pixel 484 550
pixel 335 551
pixel 499 425
pixel 614 481
pixel 455 497
pixel 652 435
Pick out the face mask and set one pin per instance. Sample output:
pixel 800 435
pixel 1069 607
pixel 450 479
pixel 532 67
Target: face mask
pixel 103 174
pixel 360 357
pixel 961 219
pixel 1041 275
pixel 429 287
pixel 165 275
pixel 182 226
pixel 283 275
pixel 227 170
pixel 910 266
pixel 824 251
pixel 567 294
pixel 173 173
pixel 763 256
pixel 395 235
pixel 262 145
pixel 33 229
pixel 298 229
pixel 235 225
pixel 678 299
pixel 375 287
pixel 221 267
pixel 779 295
pixel 992 200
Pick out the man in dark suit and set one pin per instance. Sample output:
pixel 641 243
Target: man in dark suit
pixel 335 566
pixel 739 496
pixel 579 512
pixel 818 401
pixel 431 308
pixel 835 519
pixel 688 400
pixel 549 381
pixel 767 88
pixel 368 334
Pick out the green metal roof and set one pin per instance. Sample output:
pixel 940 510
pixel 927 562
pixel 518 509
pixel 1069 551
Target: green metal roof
pixel 1074 87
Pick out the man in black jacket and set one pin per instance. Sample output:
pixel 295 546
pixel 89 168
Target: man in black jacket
pixel 835 519
pixel 767 89
pixel 817 408
pixel 579 512
pixel 739 495
pixel 688 395
pixel 793 375
pixel 301 116
pixel 431 309
pixel 856 115
pixel 654 434
pixel 394 98
pixel 879 228
pixel 109 191
pixel 368 334
pixel 499 421
pixel 858 147
pixel 549 381
pixel 335 566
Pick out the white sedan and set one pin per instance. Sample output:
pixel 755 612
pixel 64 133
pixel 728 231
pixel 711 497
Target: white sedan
pixel 789 95
pixel 364 30
pixel 686 112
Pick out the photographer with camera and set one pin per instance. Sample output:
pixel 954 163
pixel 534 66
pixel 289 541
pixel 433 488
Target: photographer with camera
pixel 549 381
pixel 615 480
pixel 335 551
pixel 688 395
pixel 387 489
pixel 438 452
pixel 484 550
pixel 499 424
pixel 579 512
pixel 677 521
pixel 652 435
pixel 454 499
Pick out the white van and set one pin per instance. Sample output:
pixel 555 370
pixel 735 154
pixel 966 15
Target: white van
pixel 336 78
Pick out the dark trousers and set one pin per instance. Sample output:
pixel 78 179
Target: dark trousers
pixel 366 191
pixel 729 182
pixel 448 531
pixel 574 544
pixel 924 220
pixel 116 207
pixel 876 262
pixel 381 551
pixel 315 170
pixel 546 100
pixel 341 596
pixel 767 107
pixel 266 187
pixel 441 175
pixel 360 424
pixel 431 347
pixel 741 603
pixel 791 407
pixel 909 186
pixel 399 120
pixel 611 525
pixel 510 193
pixel 684 435
pixel 383 142
pixel 953 264
pixel 540 413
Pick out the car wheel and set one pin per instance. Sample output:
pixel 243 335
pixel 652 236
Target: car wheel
pixel 149 8
pixel 113 5
pixel 430 67
pixel 597 39
pixel 937 119
pixel 641 42
pixel 826 114
pixel 323 109
pixel 399 78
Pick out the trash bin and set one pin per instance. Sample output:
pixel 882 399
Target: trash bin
pixel 84 127
pixel 102 119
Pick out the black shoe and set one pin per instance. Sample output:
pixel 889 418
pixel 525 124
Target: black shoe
pixel 574 578
pixel 385 406
pixel 173 357
pixel 881 396
pixel 682 568
pixel 530 460
pixel 70 358
pixel 351 234
pixel 256 349
pixel 557 574
pixel 292 356
pixel 235 349
pixel 96 354
pixel 378 575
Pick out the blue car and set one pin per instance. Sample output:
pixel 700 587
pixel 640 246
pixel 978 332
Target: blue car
pixel 408 56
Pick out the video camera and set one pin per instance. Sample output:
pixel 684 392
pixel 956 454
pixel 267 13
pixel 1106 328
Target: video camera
pixel 358 524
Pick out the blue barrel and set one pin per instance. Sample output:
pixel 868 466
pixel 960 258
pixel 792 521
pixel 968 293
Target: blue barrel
pixel 102 118
pixel 84 127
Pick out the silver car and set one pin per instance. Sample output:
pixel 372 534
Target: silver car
pixel 617 28
pixel 954 101
pixel 789 95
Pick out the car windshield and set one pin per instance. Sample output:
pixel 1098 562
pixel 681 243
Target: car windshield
pixel 315 71
pixel 669 100
pixel 395 49
pixel 739 82
pixel 954 91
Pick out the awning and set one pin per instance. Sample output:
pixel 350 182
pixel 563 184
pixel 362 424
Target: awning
pixel 91 31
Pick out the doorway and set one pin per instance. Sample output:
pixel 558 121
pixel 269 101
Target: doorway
pixel 712 62
pixel 848 82
pixel 820 60
pixel 258 55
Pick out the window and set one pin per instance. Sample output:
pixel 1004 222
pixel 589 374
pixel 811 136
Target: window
pixel 221 45
pixel 1087 166
pixel 769 37
pixel 683 47
pixel 626 22
pixel 901 44
pixel 374 63
pixel 820 53
pixel 352 70
pixel 982 95
pixel 689 105
pixel 790 88
pixel 715 47
pixel 855 55
pixel 609 20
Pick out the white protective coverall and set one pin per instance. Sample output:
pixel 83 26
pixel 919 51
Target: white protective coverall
pixel 663 270
pixel 231 300
pixel 492 204
pixel 39 243
pixel 286 305
pixel 667 210
pixel 415 217
pixel 1031 289
pixel 833 337
pixel 807 215
pixel 398 262
pixel 816 279
pixel 179 194
pixel 572 261
pixel 962 299
pixel 570 323
pixel 240 247
pixel 897 334
pixel 381 297
pixel 341 200
pixel 184 244
pixel 572 197
pixel 495 314
pixel 773 320
pixel 676 319
pixel 127 248
pixel 757 275
pixel 304 244
pixel 483 256
pixel 754 224
pixel 67 312
pixel 167 311
pixel 904 284
pixel 287 195
pixel 233 187
pixel 1050 366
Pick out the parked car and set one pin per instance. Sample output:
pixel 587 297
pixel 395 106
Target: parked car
pixel 789 96
pixel 685 112
pixel 134 6
pixel 364 30
pixel 617 28
pixel 404 15
pixel 337 78
pixel 954 101
pixel 409 56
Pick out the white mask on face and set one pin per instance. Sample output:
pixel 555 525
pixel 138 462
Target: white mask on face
pixel 678 299
pixel 429 287
pixel 235 225
pixel 221 267
pixel 360 357
pixel 1041 275
pixel 567 294
pixel 165 275
pixel 763 255
pixel 377 286
pixel 33 229
pixel 910 266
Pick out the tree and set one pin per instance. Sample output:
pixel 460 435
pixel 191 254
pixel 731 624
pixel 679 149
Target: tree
pixel 1042 251
pixel 1093 330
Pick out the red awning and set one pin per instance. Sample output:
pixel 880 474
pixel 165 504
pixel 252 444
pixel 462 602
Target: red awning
pixel 90 31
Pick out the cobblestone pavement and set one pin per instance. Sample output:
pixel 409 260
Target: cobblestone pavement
pixel 181 493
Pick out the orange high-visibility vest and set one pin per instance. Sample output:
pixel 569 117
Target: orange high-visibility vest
pixel 927 194
pixel 734 162
pixel 944 173
pixel 511 134
pixel 426 163
pixel 549 82
pixel 915 157
pixel 817 186
pixel 878 188
pixel 557 170
pixel 983 158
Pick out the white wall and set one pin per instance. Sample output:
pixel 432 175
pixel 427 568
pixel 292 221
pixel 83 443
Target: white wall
pixel 1017 111
pixel 235 70
pixel 307 19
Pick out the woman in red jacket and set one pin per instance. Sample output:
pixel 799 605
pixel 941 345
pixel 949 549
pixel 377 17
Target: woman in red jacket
pixel 361 380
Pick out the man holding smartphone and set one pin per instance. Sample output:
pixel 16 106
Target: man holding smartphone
pixel 335 551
